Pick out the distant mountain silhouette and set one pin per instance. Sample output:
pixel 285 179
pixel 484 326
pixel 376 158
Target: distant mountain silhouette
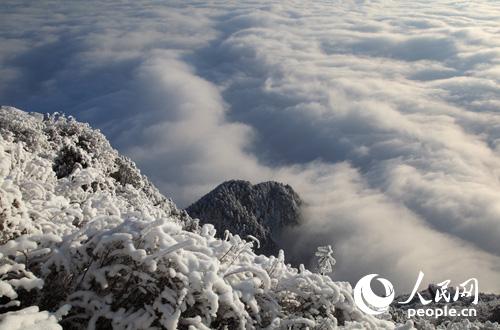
pixel 260 210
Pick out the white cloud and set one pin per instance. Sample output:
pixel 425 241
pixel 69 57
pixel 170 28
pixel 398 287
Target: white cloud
pixel 382 114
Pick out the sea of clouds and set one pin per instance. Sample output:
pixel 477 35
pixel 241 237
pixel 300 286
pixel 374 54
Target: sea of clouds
pixel 383 115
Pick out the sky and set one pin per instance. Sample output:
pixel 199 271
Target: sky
pixel 383 115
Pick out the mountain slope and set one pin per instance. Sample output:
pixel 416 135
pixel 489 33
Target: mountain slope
pixel 89 243
pixel 261 210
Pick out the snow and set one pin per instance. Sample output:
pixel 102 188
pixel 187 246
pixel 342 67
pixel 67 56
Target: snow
pixel 28 319
pixel 89 243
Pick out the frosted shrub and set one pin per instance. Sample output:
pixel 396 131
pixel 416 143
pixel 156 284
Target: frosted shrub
pixel 326 261
pixel 90 243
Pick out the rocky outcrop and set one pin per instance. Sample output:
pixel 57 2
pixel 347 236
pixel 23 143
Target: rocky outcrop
pixel 262 210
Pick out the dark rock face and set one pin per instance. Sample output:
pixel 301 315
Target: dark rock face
pixel 495 314
pixel 260 210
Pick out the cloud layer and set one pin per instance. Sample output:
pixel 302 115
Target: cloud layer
pixel 382 114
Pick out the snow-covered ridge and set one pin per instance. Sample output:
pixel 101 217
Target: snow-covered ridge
pixel 89 242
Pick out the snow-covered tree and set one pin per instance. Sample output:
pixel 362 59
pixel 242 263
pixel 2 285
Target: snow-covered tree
pixel 325 259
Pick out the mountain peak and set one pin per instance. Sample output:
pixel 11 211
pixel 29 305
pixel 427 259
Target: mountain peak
pixel 261 210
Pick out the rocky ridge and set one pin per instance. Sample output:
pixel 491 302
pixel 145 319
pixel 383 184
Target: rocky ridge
pixel 262 211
